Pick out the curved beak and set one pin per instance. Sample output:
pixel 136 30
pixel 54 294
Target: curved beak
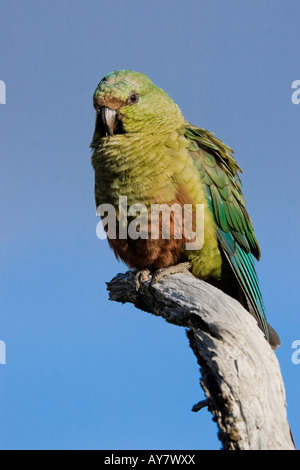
pixel 108 119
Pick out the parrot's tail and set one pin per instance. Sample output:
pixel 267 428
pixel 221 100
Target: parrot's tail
pixel 274 339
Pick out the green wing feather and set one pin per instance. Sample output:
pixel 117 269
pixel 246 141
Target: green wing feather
pixel 219 172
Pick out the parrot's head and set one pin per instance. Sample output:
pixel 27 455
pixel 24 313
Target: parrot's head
pixel 128 102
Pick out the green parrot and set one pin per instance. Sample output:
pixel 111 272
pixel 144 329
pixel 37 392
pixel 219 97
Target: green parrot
pixel 144 149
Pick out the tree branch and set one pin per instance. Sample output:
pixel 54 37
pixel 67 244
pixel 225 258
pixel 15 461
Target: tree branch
pixel 240 374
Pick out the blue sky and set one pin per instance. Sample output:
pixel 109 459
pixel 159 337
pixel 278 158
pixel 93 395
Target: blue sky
pixel 83 372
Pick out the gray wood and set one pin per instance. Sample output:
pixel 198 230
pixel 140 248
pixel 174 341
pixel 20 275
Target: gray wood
pixel 240 373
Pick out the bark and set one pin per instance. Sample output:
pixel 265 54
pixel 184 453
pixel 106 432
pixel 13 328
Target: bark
pixel 240 373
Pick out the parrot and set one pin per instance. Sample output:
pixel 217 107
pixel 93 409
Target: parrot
pixel 144 149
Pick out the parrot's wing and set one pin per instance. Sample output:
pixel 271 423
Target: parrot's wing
pixel 219 173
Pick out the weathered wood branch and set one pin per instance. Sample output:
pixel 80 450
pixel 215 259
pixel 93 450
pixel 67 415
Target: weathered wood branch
pixel 240 373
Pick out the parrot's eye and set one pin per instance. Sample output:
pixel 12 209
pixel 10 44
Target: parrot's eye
pixel 133 98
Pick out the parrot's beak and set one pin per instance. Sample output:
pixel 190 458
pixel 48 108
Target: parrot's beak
pixel 108 119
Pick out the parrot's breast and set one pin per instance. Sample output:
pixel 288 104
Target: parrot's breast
pixel 150 171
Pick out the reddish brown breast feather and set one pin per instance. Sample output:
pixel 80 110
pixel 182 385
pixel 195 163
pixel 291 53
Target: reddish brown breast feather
pixel 159 252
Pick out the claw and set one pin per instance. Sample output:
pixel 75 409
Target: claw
pixel 177 268
pixel 145 274
pixel 140 277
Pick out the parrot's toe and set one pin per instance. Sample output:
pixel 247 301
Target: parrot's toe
pixel 177 268
pixel 140 277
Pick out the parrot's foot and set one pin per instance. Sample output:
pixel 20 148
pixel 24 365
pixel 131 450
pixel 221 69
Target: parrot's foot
pixel 140 277
pixel 177 268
